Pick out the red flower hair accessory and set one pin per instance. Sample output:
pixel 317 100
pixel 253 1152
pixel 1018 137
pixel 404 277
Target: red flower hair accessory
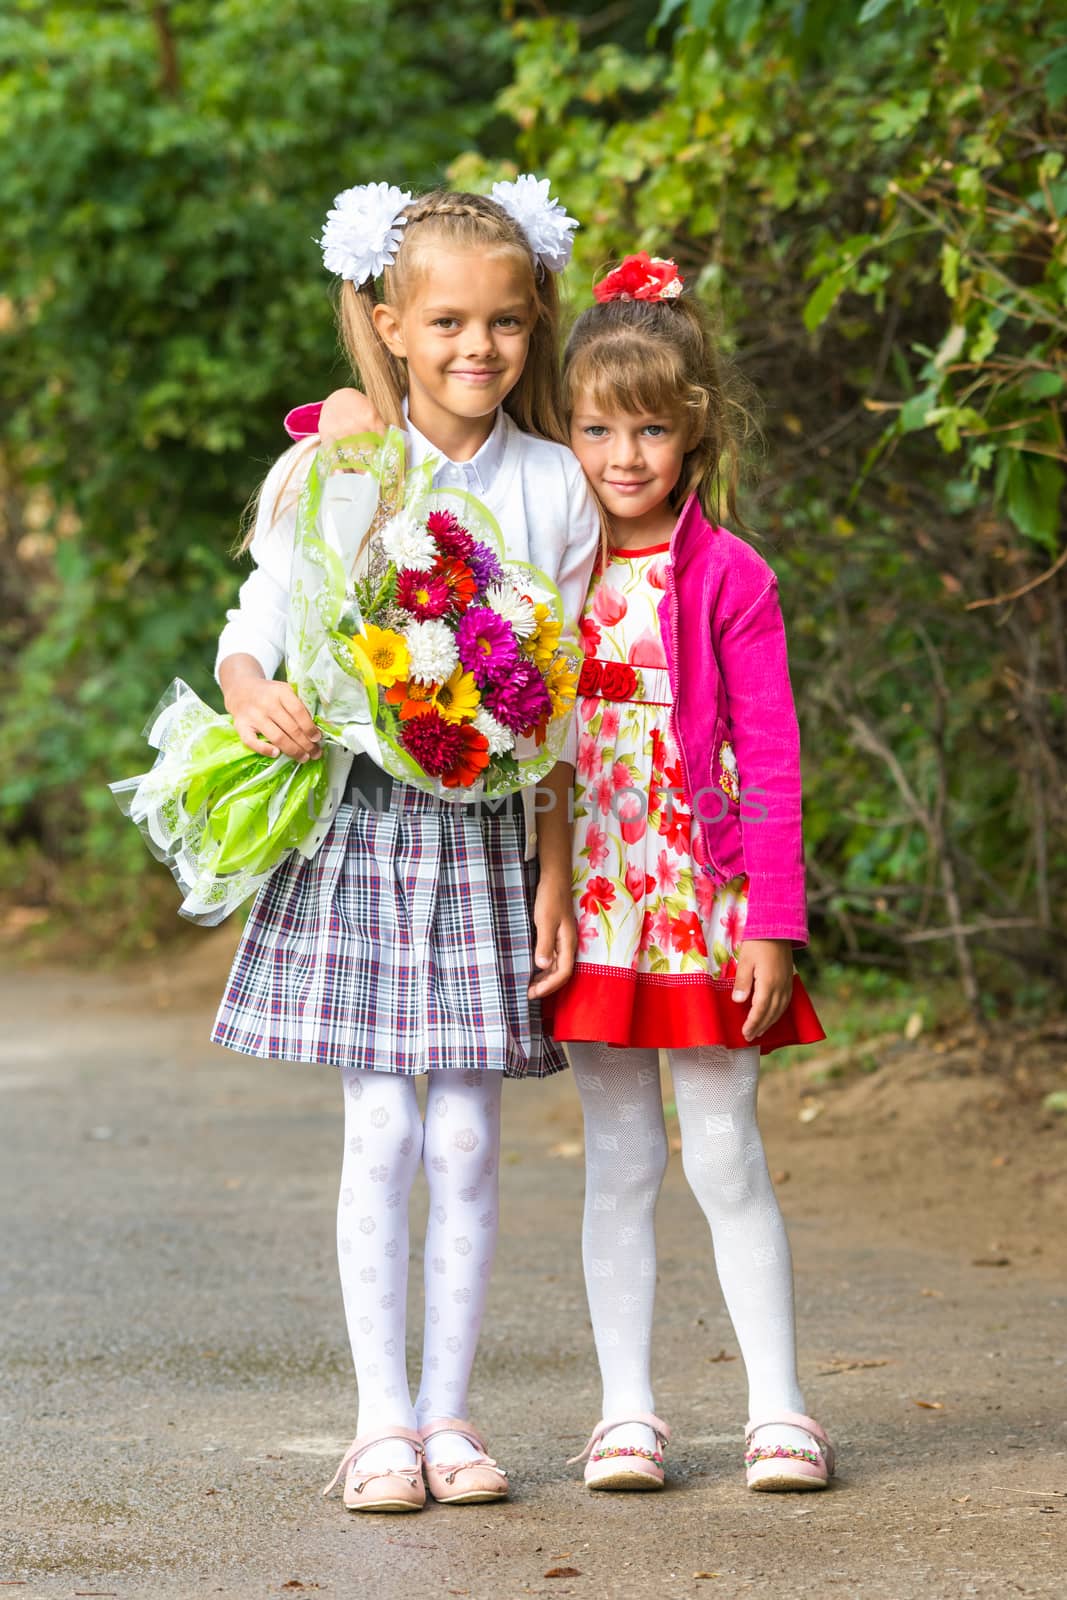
pixel 641 277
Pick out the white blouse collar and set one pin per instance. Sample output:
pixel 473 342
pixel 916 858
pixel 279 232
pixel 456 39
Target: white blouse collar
pixel 478 474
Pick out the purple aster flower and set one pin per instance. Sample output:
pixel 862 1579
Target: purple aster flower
pixel 520 701
pixel 485 565
pixel 487 645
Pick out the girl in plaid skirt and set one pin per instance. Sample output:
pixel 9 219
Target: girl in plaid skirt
pixel 417 938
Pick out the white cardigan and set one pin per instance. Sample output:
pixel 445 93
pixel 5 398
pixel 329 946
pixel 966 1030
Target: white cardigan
pixel 534 488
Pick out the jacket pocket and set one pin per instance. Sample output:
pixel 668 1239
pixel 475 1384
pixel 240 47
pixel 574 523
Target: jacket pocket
pixel 720 795
pixel 724 773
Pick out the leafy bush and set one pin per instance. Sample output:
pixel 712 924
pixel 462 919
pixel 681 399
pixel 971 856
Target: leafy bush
pixel 875 204
pixel 166 171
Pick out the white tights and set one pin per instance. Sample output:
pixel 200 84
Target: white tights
pixel 385 1143
pixel 722 1156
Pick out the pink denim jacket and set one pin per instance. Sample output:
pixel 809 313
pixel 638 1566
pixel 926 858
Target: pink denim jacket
pixel 734 720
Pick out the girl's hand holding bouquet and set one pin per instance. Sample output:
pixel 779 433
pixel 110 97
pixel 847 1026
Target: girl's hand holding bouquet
pixel 410 637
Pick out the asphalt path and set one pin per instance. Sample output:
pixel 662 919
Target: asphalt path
pixel 177 1388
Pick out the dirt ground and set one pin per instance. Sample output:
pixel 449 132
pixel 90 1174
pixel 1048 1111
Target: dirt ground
pixel 176 1385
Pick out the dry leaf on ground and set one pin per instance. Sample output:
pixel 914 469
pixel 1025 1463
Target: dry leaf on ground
pixel 930 1405
pixel 838 1364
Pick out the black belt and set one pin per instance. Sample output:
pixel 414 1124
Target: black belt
pixel 371 789
pixel 368 787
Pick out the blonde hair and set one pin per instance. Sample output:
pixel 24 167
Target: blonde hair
pixel 659 356
pixel 459 222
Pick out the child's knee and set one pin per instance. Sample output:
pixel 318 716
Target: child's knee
pixel 382 1121
pixel 723 1165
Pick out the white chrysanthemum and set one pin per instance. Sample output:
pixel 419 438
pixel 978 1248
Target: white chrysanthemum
pixel 514 607
pixel 362 232
pixel 542 219
pixel 407 543
pixel 433 652
pixel 501 739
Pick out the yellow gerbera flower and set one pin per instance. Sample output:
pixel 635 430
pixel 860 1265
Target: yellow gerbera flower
pixel 544 642
pixel 386 651
pixel 458 699
pixel 561 681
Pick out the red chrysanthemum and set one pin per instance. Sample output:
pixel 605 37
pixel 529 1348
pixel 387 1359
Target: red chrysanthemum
pixel 450 536
pixel 641 277
pixel 460 580
pixel 435 744
pixel 443 522
pixel 473 758
pixel 423 594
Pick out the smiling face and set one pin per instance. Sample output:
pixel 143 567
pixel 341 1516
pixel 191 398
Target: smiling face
pixel 633 461
pixel 464 331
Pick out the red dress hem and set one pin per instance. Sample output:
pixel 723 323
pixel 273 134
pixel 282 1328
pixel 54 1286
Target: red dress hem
pixel 646 1010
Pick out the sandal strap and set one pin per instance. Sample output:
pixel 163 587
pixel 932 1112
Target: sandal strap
pixel 645 1418
pixel 466 1430
pixel 364 1442
pixel 789 1419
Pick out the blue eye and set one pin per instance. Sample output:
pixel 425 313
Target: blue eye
pixel 656 430
pixel 594 431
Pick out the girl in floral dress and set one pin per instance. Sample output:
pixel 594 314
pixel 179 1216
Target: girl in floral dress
pixel 688 873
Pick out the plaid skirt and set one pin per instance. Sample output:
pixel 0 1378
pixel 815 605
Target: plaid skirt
pixel 403 945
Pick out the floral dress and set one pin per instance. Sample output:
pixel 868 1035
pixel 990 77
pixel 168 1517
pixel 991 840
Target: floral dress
pixel 658 940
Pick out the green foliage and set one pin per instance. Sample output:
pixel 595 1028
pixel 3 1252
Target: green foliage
pixel 166 170
pixel 870 198
pixel 873 204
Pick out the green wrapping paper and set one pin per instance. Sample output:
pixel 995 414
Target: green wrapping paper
pixel 223 818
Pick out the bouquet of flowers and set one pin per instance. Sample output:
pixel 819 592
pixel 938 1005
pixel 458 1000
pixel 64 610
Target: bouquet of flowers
pixel 410 636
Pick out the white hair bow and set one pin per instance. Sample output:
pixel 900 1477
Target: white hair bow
pixel 543 220
pixel 362 232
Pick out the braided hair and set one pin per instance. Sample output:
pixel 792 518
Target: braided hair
pixel 460 222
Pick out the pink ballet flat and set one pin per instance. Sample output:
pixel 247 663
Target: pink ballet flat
pixel 778 1468
pixel 625 1467
pixel 463 1483
pixel 401 1489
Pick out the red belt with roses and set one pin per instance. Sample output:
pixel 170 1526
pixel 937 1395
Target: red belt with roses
pixel 618 680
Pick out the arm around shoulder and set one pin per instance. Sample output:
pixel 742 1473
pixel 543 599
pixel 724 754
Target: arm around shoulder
pixel 581 547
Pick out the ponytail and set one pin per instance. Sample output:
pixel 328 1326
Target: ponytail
pixel 382 375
